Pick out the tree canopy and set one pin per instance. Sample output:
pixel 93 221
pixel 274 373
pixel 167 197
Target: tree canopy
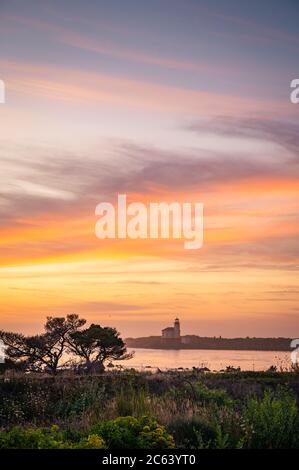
pixel 64 335
pixel 97 344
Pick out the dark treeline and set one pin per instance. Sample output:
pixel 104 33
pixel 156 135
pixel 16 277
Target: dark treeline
pixel 198 342
pixel 87 349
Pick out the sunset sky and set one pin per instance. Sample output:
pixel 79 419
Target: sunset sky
pixel 169 100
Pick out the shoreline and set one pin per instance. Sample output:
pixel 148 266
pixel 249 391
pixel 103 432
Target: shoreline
pixel 207 349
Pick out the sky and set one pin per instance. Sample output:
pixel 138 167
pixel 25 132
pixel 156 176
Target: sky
pixel 169 100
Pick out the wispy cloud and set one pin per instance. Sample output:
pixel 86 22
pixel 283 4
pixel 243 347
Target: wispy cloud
pixel 90 88
pixel 108 48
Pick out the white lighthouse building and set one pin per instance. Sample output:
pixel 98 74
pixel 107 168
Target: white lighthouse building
pixel 172 334
pixel 177 328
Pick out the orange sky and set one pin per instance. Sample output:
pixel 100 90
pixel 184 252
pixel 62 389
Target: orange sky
pixel 93 110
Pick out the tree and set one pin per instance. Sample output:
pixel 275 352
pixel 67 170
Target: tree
pixel 97 344
pixel 43 351
pixel 17 349
pixel 52 345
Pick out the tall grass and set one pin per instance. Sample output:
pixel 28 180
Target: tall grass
pixel 213 411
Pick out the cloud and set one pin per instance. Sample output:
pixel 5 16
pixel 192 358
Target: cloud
pixel 105 47
pixel 283 133
pixel 90 88
pixel 44 180
pixel 101 306
pixel 250 204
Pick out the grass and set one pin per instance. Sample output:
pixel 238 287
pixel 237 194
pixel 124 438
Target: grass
pixel 185 410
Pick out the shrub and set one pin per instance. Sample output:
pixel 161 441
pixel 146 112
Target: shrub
pixel 93 441
pixel 272 422
pixel 76 400
pixel 188 431
pixel 207 395
pixel 134 433
pixel 46 438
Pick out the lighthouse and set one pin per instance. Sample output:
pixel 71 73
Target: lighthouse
pixel 177 329
pixel 171 336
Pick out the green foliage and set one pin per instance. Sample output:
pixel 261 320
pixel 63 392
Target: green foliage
pixel 40 402
pixel 121 409
pixel 268 423
pixel 273 422
pixel 134 433
pixel 92 441
pixel 191 433
pixel 207 395
pixel 222 439
pixel 44 438
pixel 81 399
pixel 205 432
pixel 124 432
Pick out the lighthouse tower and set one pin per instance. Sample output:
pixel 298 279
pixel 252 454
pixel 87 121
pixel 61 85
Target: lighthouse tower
pixel 177 329
pixel 171 336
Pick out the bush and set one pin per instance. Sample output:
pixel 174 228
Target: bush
pixel 214 411
pixel 46 438
pixel 134 433
pixel 207 395
pixel 93 441
pixel 273 422
pixel 188 431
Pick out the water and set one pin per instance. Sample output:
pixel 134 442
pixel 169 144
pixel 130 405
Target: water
pixel 213 359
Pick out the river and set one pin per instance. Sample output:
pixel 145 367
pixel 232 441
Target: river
pixel 213 359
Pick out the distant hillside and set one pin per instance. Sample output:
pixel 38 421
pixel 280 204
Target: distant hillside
pixel 198 342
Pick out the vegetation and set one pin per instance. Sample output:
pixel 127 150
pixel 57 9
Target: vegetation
pixel 52 438
pixel 95 345
pixel 47 401
pixel 153 411
pixel 46 352
pixel 200 342
pixel 130 432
